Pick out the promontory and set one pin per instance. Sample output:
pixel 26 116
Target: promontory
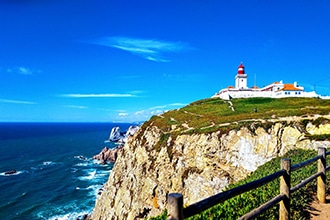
pixel 201 148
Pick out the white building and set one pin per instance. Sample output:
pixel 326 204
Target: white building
pixel 274 90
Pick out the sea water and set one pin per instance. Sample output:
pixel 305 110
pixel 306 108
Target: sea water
pixel 56 176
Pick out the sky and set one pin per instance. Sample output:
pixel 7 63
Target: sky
pixel 124 61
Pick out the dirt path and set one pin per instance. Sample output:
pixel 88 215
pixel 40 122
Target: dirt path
pixel 320 211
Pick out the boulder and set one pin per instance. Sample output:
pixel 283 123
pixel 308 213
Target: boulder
pixel 107 155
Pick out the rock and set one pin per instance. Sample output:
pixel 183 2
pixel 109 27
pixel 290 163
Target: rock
pixel 117 136
pixel 107 155
pixel 110 155
pixel 10 172
pixel 130 132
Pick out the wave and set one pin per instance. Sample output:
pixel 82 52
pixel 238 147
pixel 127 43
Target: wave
pixel 68 216
pixel 82 164
pixel 85 161
pixel 94 190
pixel 90 176
pixel 77 208
pixel 45 164
pixel 67 212
pixel 56 172
pixel 80 157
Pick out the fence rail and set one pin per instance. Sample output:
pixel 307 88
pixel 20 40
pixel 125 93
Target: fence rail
pixel 175 200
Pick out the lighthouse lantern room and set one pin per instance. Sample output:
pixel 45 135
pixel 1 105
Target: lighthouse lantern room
pixel 241 78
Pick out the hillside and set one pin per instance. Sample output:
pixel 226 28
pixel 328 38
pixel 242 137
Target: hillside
pixel 200 149
pixel 214 114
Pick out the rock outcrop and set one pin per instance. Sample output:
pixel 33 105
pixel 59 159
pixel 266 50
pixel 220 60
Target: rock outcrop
pixel 107 155
pixel 154 163
pixel 117 136
pixel 10 172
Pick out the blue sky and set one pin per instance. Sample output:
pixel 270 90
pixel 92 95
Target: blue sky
pixel 123 61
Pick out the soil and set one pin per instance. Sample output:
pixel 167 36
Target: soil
pixel 319 211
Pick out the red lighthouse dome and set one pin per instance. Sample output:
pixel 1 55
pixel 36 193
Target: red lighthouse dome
pixel 241 69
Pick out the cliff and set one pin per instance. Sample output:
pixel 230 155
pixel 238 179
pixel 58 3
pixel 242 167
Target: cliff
pixel 174 157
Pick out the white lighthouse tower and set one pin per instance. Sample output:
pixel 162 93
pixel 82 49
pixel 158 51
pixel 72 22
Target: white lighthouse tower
pixel 241 78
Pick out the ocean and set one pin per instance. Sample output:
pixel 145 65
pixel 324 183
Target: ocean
pixel 56 176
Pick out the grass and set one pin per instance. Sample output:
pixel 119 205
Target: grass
pixel 242 204
pixel 214 111
pixel 213 114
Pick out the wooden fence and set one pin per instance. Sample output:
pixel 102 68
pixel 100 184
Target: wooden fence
pixel 175 200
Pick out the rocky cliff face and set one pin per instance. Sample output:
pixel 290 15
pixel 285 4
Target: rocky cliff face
pixel 196 165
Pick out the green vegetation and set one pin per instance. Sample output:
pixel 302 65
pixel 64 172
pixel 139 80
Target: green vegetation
pixel 244 203
pixel 214 114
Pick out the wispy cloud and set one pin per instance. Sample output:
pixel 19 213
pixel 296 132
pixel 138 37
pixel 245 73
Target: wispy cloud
pixel 168 106
pixel 178 104
pixel 158 107
pixel 22 70
pixel 141 112
pixel 106 95
pixel 17 102
pixel 149 49
pixel 122 114
pixel 145 114
pixel 75 106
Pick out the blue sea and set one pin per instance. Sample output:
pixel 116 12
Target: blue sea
pixel 56 176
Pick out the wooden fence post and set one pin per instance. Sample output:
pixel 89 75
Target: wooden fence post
pixel 321 180
pixel 285 186
pixel 175 206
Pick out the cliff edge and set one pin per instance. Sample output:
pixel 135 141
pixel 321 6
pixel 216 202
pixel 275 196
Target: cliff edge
pixel 170 153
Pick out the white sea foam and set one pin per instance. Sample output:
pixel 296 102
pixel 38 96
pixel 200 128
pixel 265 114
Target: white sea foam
pixel 91 174
pixel 103 173
pixel 47 163
pixel 95 190
pixel 82 164
pixel 68 216
pixel 66 212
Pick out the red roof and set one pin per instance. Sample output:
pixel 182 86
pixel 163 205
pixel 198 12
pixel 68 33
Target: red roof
pixel 290 87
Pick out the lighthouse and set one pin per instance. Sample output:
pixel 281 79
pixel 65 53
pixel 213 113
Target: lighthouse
pixel 273 90
pixel 241 78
